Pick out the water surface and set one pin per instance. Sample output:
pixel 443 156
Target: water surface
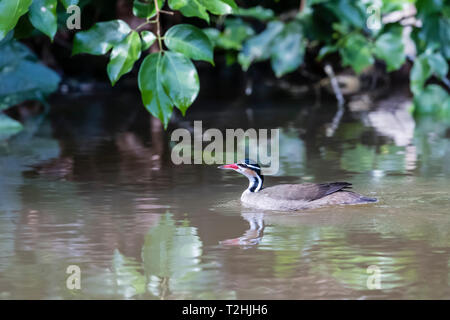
pixel 93 186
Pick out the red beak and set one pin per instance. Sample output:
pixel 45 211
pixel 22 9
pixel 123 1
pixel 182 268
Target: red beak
pixel 229 166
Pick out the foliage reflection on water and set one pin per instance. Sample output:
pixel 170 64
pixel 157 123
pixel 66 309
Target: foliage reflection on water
pixel 141 228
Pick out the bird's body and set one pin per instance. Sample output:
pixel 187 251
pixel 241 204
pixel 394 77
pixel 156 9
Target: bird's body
pixel 288 197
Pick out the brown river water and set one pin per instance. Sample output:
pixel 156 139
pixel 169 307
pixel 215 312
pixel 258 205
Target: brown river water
pixel 92 185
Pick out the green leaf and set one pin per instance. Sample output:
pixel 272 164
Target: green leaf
pixel 190 41
pixel 429 6
pixel 10 12
pixel 180 80
pixel 123 57
pixel 435 30
pixel 13 52
pixel 257 12
pixel 154 97
pixel 192 8
pixel 21 78
pixel 158 246
pixel 432 100
pixel 43 16
pixel 148 38
pixel 171 251
pixel 146 9
pixel 326 50
pixel 389 48
pixel 26 81
pixel 444 35
pixel 213 35
pixel 8 127
pixel 216 6
pixel 177 4
pixel 438 64
pixel 126 272
pixel 231 3
pixel 349 11
pixel 419 74
pixel 100 38
pixel 393 5
pixel 355 52
pixel 68 3
pixel 235 33
pixel 424 67
pixel 258 48
pixel 288 49
pixel 199 8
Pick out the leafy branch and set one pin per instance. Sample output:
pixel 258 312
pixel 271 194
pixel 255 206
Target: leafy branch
pixel 168 77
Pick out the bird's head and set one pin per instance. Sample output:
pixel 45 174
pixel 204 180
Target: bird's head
pixel 251 170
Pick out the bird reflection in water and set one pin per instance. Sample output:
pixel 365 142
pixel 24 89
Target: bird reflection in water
pixel 253 235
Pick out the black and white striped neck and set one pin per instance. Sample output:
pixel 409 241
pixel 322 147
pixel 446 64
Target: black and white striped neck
pixel 255 183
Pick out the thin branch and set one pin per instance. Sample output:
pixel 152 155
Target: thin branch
pixel 144 24
pixel 170 13
pixel 340 98
pixel 158 25
pixel 334 84
pixel 302 5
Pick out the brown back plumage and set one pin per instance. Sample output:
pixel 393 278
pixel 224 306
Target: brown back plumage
pixel 305 191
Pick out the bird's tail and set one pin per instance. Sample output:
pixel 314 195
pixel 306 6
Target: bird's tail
pixel 368 199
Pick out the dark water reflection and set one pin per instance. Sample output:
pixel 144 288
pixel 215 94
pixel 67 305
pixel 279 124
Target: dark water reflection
pixel 94 187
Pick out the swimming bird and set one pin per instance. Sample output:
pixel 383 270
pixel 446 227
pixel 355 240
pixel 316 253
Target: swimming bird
pixel 291 197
